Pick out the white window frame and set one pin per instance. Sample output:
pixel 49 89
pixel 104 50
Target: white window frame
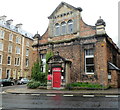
pixel 17 50
pixel 43 59
pixel 10 37
pixel 27 52
pixel 0 73
pixel 88 56
pixel 18 40
pixel 70 26
pixel 2 34
pixel 17 61
pixel 27 62
pixel 9 60
pixel 10 48
pixel 1 46
pixel 63 28
pixel 1 59
pixel 9 75
pixel 57 29
pixel 27 43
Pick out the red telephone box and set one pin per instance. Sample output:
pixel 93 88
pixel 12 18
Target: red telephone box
pixel 56 77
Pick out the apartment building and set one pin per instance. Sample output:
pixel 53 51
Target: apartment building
pixel 15 50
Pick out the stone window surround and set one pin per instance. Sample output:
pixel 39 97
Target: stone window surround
pixel 10 48
pixel 17 61
pixel 27 62
pixel 17 50
pixel 1 46
pixel 11 37
pixel 9 60
pixel 27 52
pixel 18 39
pixel 59 25
pixel 8 74
pixel 2 33
pixel 0 73
pixel 1 57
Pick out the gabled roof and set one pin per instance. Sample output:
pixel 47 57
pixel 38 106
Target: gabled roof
pixel 111 66
pixel 66 4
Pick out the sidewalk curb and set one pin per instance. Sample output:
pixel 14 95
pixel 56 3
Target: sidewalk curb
pixel 63 93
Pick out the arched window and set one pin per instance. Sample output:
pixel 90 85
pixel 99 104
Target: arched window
pixel 63 28
pixel 70 26
pixel 57 29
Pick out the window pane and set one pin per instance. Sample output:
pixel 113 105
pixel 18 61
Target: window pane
pixel 9 59
pixel 10 48
pixel 27 52
pixel 70 26
pixel 57 29
pixel 10 37
pixel 0 59
pixel 89 52
pixel 2 34
pixel 1 46
pixel 89 61
pixel 63 28
pixel 89 69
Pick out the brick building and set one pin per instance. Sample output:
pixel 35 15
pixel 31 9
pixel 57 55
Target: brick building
pixel 82 53
pixel 15 50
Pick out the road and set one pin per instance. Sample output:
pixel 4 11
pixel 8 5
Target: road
pixel 39 101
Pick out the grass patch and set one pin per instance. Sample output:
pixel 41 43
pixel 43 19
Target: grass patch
pixel 85 85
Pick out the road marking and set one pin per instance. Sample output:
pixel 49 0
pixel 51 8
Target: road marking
pixel 111 95
pixel 69 95
pixel 35 94
pixel 88 95
pixel 50 94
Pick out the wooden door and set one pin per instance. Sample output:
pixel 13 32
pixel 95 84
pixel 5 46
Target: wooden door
pixel 56 77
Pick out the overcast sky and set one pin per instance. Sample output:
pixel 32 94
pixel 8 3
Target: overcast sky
pixel 33 14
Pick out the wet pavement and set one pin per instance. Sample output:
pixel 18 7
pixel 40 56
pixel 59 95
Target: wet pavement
pixel 30 101
pixel 20 97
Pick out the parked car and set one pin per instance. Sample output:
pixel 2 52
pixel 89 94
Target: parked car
pixel 6 82
pixel 23 81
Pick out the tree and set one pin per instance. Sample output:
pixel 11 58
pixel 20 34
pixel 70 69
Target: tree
pixel 48 55
pixel 37 75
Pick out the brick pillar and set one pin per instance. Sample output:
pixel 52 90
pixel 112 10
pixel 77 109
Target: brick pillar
pixel 101 61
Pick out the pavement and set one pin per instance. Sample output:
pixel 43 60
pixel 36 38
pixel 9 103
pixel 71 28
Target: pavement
pixel 25 90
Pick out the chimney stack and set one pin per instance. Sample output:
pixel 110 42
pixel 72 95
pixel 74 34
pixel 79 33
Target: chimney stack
pixel 19 25
pixel 3 17
pixel 9 22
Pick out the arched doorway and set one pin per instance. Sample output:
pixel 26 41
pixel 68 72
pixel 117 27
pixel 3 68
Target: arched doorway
pixel 60 72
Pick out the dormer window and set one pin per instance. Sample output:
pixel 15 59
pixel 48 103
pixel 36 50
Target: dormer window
pixel 57 29
pixel 63 28
pixel 70 26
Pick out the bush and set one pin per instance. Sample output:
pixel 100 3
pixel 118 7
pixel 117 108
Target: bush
pixel 33 84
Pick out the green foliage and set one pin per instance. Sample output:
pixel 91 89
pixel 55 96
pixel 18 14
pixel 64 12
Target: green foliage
pixel 39 78
pixel 33 84
pixel 48 55
pixel 85 85
pixel 37 75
